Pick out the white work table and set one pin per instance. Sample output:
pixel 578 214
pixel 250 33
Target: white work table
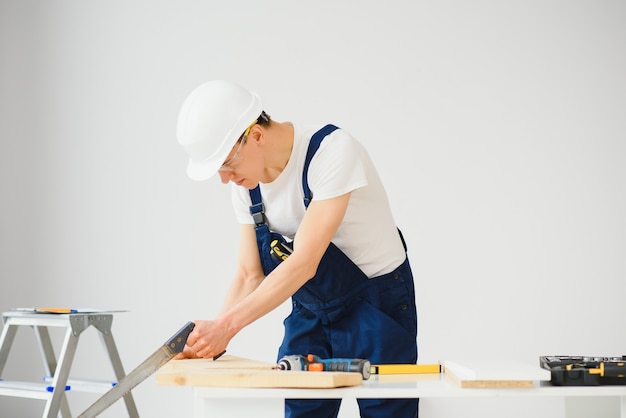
pixel 268 402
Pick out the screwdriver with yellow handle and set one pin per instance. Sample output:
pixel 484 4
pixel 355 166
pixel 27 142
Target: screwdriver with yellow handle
pixel 280 250
pixel 617 369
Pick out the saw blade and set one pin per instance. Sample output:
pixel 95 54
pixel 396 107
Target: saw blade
pixel 150 365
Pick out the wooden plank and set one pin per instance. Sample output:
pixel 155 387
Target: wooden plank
pixel 225 362
pixel 258 379
pixel 232 371
pixel 494 374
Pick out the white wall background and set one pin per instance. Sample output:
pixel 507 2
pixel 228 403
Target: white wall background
pixel 499 128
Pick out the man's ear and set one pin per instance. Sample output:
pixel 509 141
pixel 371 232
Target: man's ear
pixel 257 134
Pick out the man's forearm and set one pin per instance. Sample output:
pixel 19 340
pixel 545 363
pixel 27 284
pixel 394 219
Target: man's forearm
pixel 277 287
pixel 239 289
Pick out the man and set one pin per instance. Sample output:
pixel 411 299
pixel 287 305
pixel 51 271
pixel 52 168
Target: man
pixel 346 269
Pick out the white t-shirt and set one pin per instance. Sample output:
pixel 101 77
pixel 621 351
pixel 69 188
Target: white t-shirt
pixel 368 234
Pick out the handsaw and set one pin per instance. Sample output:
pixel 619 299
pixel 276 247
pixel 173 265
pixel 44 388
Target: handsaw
pixel 150 365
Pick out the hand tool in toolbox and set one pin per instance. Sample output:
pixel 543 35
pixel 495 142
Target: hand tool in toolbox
pixel 162 355
pixel 314 363
pixel 585 371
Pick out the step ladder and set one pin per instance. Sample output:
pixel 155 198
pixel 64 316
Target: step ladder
pixel 53 391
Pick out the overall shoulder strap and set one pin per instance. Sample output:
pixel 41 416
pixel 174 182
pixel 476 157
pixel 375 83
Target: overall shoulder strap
pixel 314 145
pixel 257 210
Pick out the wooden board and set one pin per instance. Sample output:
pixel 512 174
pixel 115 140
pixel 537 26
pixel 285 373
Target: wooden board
pixel 494 374
pixel 225 362
pixel 232 371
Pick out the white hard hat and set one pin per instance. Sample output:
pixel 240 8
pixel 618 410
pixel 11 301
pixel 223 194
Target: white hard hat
pixel 210 122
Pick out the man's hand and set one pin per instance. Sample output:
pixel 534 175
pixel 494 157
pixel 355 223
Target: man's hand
pixel 207 340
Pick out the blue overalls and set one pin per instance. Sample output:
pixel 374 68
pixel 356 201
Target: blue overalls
pixel 342 313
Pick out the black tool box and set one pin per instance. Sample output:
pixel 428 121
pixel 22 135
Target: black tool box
pixel 585 371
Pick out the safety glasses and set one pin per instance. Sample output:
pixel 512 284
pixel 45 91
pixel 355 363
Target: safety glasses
pixel 233 162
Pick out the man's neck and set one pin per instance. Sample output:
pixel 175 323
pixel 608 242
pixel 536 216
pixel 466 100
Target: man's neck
pixel 279 144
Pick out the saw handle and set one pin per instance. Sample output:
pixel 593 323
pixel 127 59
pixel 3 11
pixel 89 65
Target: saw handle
pixel 177 342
